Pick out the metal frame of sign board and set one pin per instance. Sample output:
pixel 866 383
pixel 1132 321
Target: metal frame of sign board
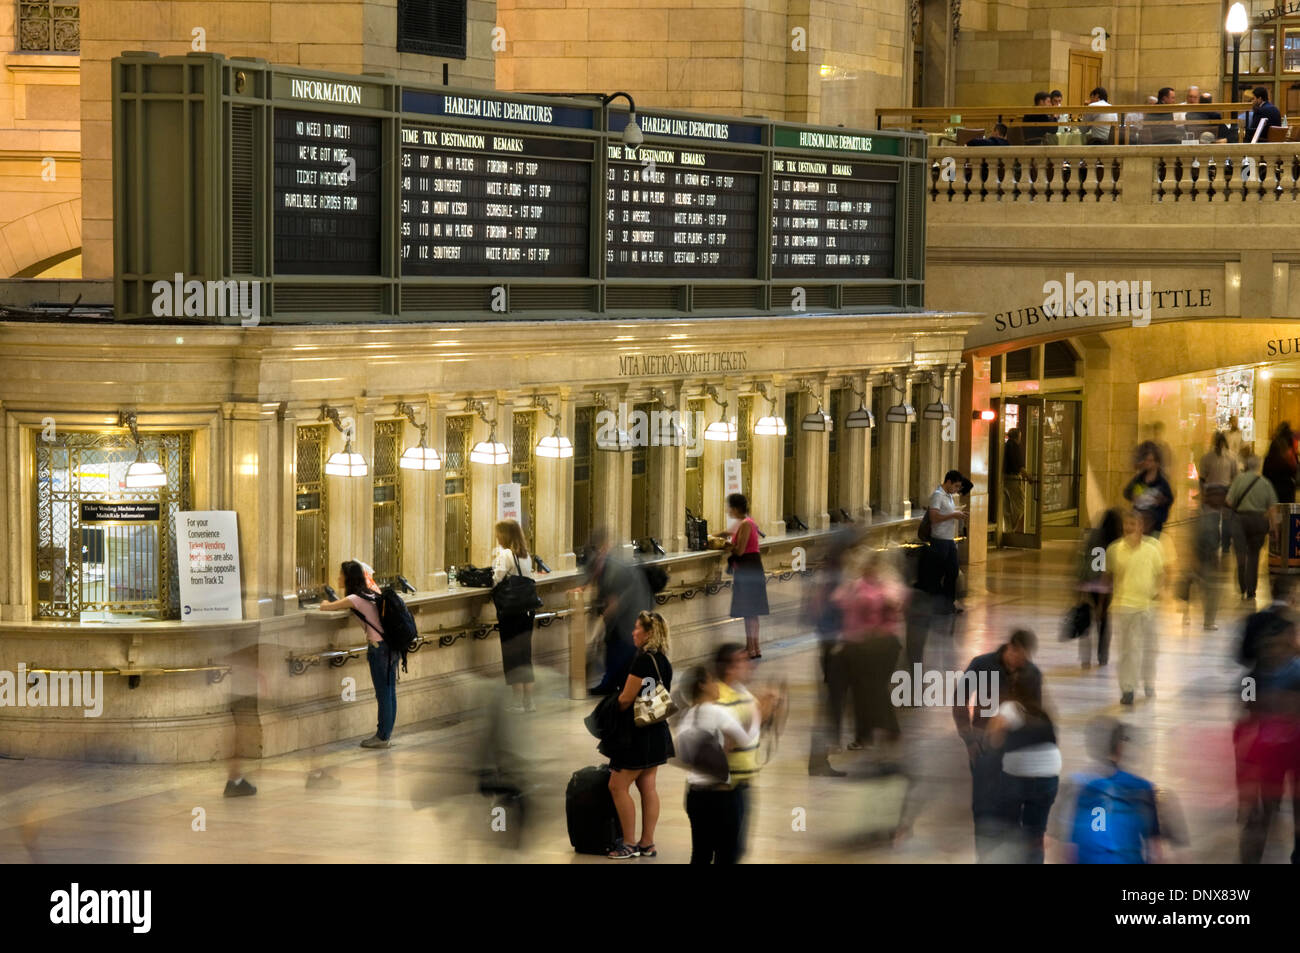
pixel 194 189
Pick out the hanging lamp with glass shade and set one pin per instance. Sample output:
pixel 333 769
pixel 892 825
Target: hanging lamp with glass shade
pixel 936 409
pixel 346 462
pixel 862 418
pixel 771 425
pixel 723 430
pixel 490 451
pixel 421 456
pixel 902 412
pixel 556 446
pixel 142 474
pixel 818 421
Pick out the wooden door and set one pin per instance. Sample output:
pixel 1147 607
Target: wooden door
pixel 1284 405
pixel 1085 75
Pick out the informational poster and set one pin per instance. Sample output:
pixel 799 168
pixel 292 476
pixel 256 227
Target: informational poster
pixel 509 506
pixel 207 544
pixel 731 476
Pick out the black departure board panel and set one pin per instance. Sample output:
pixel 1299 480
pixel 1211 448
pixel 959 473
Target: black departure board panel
pixel 494 204
pixel 327 194
pixel 681 212
pixel 832 219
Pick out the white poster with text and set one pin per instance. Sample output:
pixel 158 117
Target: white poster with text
pixel 207 543
pixel 732 476
pixel 508 502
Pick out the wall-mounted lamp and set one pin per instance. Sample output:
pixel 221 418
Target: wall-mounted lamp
pixel 902 412
pixel 347 462
pixel 937 409
pixel 671 431
pixel 142 474
pixel 724 429
pixel 988 416
pixel 421 456
pixel 556 446
pixel 490 451
pixel 862 418
pixel 771 425
pixel 610 439
pixel 632 135
pixel 818 421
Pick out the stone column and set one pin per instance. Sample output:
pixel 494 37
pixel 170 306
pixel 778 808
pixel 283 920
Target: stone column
pixel 666 474
pixel 716 452
pixel 612 476
pixel 419 487
pixel 895 448
pixel 767 456
pixel 350 536
pixel 553 493
pixel 436 520
pixel 485 478
pixel 253 449
pixel 854 453
pixel 812 450
pixel 976 453
pixel 931 458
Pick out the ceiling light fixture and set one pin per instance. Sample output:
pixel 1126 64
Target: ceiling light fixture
pixel 490 451
pixel 556 446
pixel 347 462
pixel 720 430
pixel 421 456
pixel 771 425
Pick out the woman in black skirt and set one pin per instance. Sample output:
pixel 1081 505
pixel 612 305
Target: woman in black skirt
pixel 512 559
pixel 748 580
pixel 636 756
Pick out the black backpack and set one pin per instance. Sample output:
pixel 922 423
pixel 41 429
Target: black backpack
pixel 656 577
pixel 697 532
pixel 517 594
pixel 397 627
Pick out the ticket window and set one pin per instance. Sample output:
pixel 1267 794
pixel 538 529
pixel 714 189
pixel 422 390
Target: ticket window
pixel 387 500
pixel 456 498
pixel 311 513
pixel 583 476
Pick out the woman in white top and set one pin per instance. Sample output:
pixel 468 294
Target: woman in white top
pixel 1031 769
pixel 511 559
pixel 710 805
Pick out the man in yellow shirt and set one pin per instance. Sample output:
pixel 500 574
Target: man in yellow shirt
pixel 733 669
pixel 1136 567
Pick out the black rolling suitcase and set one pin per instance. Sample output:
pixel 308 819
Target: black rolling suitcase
pixel 593 822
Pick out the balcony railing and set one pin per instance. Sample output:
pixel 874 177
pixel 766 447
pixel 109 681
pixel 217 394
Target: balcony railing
pixel 1135 175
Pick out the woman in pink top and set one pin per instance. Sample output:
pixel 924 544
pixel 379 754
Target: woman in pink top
pixel 872 606
pixel 748 579
pixel 361 596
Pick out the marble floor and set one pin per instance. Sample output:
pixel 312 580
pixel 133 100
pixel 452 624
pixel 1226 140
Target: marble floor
pixel 418 801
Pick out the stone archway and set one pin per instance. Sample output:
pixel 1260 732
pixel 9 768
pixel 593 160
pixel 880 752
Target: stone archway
pixel 40 239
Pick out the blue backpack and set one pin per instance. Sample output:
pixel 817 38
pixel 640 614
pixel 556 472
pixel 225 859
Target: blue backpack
pixel 1113 819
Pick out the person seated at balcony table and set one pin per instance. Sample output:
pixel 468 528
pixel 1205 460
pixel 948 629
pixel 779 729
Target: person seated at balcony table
pixel 999 137
pixel 1159 129
pixel 1193 99
pixel 1034 135
pixel 1063 118
pixel 1203 121
pixel 1099 125
pixel 1134 121
pixel 1263 114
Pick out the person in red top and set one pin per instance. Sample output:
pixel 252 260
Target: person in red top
pixel 749 580
pixel 872 605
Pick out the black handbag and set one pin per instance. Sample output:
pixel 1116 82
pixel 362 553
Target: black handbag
pixel 1077 622
pixel 474 578
pixel 697 532
pixel 517 594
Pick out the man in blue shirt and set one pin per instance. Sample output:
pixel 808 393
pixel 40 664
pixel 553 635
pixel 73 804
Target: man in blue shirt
pixel 1263 112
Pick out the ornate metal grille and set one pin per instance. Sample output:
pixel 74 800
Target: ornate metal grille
pixel 107 566
pixel 387 501
pixel 523 469
pixel 744 431
pixel 583 444
pixel 47 26
pixel 456 492
pixel 789 475
pixel 694 473
pixel 311 512
pixel 834 404
pixel 640 476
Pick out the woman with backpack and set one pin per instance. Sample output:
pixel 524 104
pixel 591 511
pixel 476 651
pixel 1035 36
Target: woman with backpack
pixel 1031 768
pixel 705 732
pixel 636 752
pixel 361 595
pixel 511 559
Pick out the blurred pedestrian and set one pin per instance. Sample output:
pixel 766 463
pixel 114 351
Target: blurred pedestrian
pixel 636 760
pixel 1136 567
pixel 1217 470
pixel 710 803
pixel 1249 499
pixel 1031 768
pixel 1280 464
pixel 516 628
pixel 826 618
pixel 872 608
pixel 1015 478
pixel 622 594
pixel 748 579
pixel 1115 816
pixel 1149 490
pixel 972 718
pixel 1095 585
pixel 941 559
pixel 361 596
pixel 733 668
pixel 1202 572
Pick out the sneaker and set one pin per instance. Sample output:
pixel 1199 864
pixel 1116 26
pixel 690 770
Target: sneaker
pixel 516 709
pixel 242 789
pixel 375 742
pixel 623 852
pixel 530 707
pixel 1126 698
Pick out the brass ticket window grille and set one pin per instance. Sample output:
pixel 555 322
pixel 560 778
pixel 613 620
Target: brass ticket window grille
pixel 311 513
pixel 694 472
pixel 834 405
pixel 89 563
pixel 456 492
pixel 49 26
pixel 583 446
pixel 387 500
pixel 789 472
pixel 744 441
pixel 523 468
pixel 641 475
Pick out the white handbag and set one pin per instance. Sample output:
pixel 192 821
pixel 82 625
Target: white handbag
pixel 655 707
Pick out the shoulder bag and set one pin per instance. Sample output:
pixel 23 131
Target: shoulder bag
pixel 655 707
pixel 1251 486
pixel 517 594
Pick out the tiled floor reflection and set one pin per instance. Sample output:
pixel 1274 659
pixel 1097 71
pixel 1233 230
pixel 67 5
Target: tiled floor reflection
pixel 418 801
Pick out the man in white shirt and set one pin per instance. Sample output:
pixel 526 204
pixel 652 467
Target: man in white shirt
pixel 945 519
pixel 1193 99
pixel 1100 124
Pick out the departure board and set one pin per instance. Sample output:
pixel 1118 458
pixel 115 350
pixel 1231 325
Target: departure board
pixel 494 204
pixel 327 194
pixel 681 212
pixel 832 219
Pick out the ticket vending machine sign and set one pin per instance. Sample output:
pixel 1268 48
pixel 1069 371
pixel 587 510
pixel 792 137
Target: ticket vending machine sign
pixel 207 543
